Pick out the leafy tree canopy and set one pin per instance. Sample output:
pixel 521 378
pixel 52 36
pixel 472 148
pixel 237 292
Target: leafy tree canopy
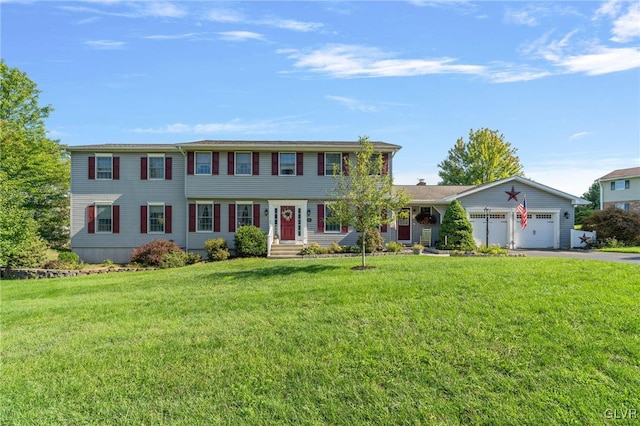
pixel 365 197
pixel 31 163
pixel 593 195
pixel 486 157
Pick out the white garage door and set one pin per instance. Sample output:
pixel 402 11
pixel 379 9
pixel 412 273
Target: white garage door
pixel 539 232
pixel 498 228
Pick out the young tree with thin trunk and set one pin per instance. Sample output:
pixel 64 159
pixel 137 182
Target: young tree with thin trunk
pixel 365 198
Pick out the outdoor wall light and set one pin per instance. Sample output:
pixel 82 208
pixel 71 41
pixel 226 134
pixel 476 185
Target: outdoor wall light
pixel 308 212
pixel 266 212
pixel 566 215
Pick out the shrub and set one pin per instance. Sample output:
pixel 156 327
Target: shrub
pixel 373 241
pixel 314 248
pixel 174 259
pixel 216 249
pixel 68 257
pixel 393 247
pixel 335 248
pixel 250 241
pixel 56 264
pixel 456 232
pixel 614 224
pixel 193 258
pixel 492 249
pixel 154 252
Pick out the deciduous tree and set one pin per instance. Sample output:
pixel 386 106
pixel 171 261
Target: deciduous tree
pixel 486 157
pixel 365 197
pixel 31 163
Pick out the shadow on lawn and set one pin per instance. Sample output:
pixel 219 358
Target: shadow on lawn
pixel 270 272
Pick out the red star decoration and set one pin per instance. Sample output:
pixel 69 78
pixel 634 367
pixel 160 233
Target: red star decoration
pixel 513 194
pixel 584 239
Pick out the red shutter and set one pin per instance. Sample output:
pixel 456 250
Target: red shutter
pixel 320 218
pixel 232 218
pixel 256 215
pixel 383 228
pixel 345 229
pixel 143 219
pixel 299 163
pixel 143 168
pixel 321 164
pixel 190 163
pixel 215 159
pixel 115 211
pixel 192 218
pixel 91 219
pixel 256 164
pixel 167 219
pixel 385 163
pixel 230 170
pixel 92 168
pixel 116 168
pixel 216 218
pixel 274 164
pixel 168 168
pixel 345 164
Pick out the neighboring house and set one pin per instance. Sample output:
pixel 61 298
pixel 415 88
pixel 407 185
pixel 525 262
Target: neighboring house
pixel 123 196
pixel 550 213
pixel 621 189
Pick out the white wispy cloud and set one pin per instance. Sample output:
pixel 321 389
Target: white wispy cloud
pixel 186 36
pixel 627 26
pixel 240 35
pixel 350 61
pixel 228 16
pixel 578 135
pixel 105 44
pixel 290 24
pixel 236 126
pixel 521 17
pixel 602 60
pixel 352 104
pixel 162 9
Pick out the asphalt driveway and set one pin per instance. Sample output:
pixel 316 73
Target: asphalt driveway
pixel 584 254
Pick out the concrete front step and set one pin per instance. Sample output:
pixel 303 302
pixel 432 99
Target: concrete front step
pixel 282 251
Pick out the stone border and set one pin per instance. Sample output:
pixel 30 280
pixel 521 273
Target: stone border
pixel 34 274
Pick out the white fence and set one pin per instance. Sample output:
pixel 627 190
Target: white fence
pixel 579 239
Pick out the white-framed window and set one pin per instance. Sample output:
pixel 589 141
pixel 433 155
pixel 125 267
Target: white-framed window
pixel 205 217
pixel 622 206
pixel 329 225
pixel 203 163
pixel 619 185
pixel 104 218
pixel 287 163
pixel 332 161
pixel 243 163
pixel 104 166
pixel 155 163
pixel 244 214
pixel 156 218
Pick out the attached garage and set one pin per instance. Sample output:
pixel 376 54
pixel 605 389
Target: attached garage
pixel 498 228
pixel 540 232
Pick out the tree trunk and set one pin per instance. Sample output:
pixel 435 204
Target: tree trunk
pixel 364 243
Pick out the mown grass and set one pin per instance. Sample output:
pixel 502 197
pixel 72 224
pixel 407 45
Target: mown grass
pixel 418 340
pixel 632 249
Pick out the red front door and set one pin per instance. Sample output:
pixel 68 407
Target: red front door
pixel 287 223
pixel 404 226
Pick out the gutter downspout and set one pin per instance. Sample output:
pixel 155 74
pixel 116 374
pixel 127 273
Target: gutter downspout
pixel 186 249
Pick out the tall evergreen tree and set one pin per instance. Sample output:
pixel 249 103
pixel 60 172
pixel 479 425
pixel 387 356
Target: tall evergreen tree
pixel 456 232
pixel 486 157
pixel 31 163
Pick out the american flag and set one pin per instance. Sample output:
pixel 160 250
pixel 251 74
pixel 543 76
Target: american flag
pixel 522 209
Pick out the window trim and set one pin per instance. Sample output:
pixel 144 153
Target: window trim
pixel 97 205
pixel 164 171
pixel 237 219
pixel 326 163
pixel 195 163
pixel 204 203
pixel 236 163
pixel 294 165
pixel 103 155
pixel 164 219
pixel 624 184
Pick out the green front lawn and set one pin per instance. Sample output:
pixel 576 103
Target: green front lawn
pixel 418 340
pixel 622 249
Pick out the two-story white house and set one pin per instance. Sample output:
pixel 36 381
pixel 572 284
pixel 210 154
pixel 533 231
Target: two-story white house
pixel 123 196
pixel 621 189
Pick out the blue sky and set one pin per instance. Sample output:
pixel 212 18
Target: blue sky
pixel 560 80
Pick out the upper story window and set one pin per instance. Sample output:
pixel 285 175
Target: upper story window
pixel 332 162
pixel 619 185
pixel 287 163
pixel 156 166
pixel 104 166
pixel 203 163
pixel 243 163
